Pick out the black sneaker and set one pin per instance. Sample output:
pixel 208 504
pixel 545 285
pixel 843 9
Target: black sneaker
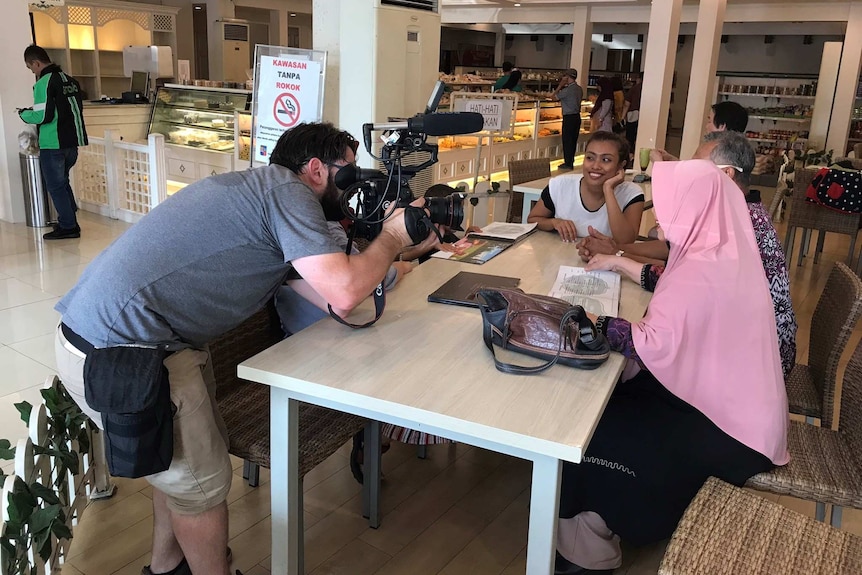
pixel 63 234
pixel 565 167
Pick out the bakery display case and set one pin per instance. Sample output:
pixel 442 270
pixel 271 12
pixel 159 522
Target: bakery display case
pixel 199 126
pixel 201 118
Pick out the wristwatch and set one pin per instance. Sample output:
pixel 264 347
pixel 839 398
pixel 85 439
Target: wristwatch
pixel 620 253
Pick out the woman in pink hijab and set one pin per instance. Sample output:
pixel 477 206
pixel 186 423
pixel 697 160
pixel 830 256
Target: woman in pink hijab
pixel 708 397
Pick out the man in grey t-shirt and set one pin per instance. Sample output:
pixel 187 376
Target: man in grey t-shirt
pixel 195 267
pixel 570 94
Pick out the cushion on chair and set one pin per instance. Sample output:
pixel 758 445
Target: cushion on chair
pixel 729 531
pixel 801 393
pixel 822 468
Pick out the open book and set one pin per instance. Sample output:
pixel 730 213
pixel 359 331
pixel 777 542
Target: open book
pixel 597 292
pixel 504 231
pixel 479 247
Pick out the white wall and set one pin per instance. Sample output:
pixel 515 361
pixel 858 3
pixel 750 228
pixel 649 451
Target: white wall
pixel 547 52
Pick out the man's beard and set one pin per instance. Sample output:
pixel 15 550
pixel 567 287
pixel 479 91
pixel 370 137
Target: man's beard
pixel 331 201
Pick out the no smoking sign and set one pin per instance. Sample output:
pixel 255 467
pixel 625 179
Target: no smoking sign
pixel 286 110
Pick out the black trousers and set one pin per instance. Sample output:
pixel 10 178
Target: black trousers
pixel 571 129
pixel 649 456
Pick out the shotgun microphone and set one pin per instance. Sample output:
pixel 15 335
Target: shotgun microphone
pixel 437 124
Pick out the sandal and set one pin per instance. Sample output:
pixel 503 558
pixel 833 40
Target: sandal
pixel 183 567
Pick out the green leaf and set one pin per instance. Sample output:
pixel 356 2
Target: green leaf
pixel 24 408
pixel 47 494
pixel 7 453
pixel 41 520
pixel 42 544
pixel 61 530
pixel 21 502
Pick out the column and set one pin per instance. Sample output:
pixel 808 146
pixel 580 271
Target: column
pixel 278 27
pixel 16 91
pixel 582 40
pixel 500 47
pixel 701 87
pixel 848 79
pixel 326 33
pixel 659 60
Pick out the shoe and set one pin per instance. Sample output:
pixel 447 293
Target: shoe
pixel 563 566
pixel 183 567
pixel 565 167
pixel 63 234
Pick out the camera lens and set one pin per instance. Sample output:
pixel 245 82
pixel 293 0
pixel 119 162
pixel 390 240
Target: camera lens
pixel 447 211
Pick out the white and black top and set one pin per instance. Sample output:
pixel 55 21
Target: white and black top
pixel 563 198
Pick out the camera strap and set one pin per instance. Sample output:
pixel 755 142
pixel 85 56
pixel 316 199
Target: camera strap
pixel 379 296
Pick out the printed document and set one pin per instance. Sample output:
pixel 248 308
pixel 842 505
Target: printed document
pixel 597 292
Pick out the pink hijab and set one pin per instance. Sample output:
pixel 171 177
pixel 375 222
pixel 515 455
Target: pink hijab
pixel 709 333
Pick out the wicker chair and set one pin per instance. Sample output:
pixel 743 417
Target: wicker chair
pixel 825 465
pixel 521 171
pixel 811 388
pixel 729 531
pixel 245 407
pixel 810 217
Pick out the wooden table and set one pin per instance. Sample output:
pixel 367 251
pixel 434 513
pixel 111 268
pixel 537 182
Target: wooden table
pixel 533 191
pixel 424 366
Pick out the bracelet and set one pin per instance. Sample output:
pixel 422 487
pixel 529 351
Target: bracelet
pixel 645 275
pixel 601 326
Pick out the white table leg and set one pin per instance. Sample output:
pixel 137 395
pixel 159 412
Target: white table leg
pixel 285 485
pixel 544 509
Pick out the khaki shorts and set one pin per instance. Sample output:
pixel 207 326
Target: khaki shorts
pixel 200 473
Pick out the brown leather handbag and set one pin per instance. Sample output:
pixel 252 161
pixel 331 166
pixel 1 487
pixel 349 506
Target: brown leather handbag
pixel 545 327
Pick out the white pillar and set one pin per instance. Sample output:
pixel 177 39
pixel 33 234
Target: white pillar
pixel 278 27
pixel 326 33
pixel 500 47
pixel 848 79
pixel 582 39
pixel 659 61
pixel 830 64
pixel 16 91
pixel 701 87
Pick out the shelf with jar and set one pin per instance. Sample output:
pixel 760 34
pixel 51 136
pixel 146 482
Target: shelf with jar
pixel 199 126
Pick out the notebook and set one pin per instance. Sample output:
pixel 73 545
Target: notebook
pixel 463 287
pixel 479 247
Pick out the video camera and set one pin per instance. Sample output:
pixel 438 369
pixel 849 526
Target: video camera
pixel 378 193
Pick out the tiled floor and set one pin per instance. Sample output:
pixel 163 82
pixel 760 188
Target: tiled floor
pixel 463 510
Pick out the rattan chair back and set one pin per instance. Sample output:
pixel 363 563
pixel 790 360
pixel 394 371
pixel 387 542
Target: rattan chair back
pixel 729 531
pixel 850 418
pixel 836 315
pixel 521 171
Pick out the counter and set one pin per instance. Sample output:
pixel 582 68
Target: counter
pixel 128 121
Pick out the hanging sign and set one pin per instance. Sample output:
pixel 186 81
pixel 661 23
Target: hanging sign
pixel 44 4
pixel 288 92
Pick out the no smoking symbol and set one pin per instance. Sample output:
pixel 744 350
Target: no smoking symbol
pixel 286 110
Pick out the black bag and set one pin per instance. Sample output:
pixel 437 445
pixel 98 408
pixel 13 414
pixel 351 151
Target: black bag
pixel 619 127
pixel 129 386
pixel 540 326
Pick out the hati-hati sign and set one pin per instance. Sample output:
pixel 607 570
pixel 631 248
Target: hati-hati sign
pixel 288 93
pixel 43 4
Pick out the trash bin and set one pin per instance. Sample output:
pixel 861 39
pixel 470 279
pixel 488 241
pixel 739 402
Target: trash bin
pixel 40 210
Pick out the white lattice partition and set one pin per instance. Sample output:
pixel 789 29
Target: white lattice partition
pixel 119 179
pixel 91 482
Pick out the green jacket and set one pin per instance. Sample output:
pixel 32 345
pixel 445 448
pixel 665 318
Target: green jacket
pixel 57 110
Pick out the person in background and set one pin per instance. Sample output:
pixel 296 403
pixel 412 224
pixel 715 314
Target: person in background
pixel 706 396
pixel 619 103
pixel 570 94
pixel 602 116
pixel 510 80
pixel 631 112
pixel 723 117
pixel 57 113
pixel 599 197
pixel 732 153
pixel 193 268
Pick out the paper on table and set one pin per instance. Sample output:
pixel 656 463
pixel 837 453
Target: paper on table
pixel 504 230
pixel 597 292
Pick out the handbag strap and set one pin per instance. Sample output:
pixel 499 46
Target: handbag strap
pixel 586 334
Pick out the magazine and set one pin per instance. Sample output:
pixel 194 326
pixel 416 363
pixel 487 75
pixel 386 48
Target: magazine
pixel 504 231
pixel 473 250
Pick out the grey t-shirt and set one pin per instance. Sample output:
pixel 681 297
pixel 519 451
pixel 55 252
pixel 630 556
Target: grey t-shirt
pixel 570 98
pixel 200 263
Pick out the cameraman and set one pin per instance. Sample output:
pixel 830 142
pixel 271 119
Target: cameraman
pixel 196 266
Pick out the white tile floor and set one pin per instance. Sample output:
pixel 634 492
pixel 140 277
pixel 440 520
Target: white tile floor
pixel 33 275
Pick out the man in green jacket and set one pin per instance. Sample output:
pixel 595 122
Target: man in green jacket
pixel 57 113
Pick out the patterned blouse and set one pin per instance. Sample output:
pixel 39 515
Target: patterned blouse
pixel 619 331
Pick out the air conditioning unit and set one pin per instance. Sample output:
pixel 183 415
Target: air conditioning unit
pixel 236 52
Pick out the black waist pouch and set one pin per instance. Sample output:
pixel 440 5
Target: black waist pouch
pixel 129 386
